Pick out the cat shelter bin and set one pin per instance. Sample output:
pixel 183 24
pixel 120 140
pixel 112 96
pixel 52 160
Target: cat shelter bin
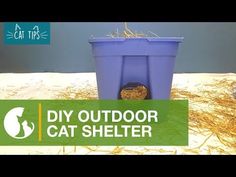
pixel 148 60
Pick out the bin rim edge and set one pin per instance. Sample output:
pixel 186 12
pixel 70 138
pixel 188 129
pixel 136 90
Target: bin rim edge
pixel 122 39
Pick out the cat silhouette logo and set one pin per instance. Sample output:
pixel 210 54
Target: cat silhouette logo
pixel 16 126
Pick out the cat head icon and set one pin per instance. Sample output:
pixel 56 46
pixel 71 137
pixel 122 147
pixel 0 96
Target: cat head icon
pixel 16 126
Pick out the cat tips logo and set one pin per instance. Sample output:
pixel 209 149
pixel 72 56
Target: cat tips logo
pixel 16 125
pixel 26 33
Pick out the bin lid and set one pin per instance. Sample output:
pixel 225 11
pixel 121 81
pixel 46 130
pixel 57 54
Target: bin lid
pixel 151 39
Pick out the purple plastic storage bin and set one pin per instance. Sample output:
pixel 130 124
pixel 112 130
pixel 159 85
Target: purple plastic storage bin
pixel 149 61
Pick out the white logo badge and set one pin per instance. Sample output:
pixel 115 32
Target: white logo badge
pixel 16 126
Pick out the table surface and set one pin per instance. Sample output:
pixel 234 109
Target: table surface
pixel 212 111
